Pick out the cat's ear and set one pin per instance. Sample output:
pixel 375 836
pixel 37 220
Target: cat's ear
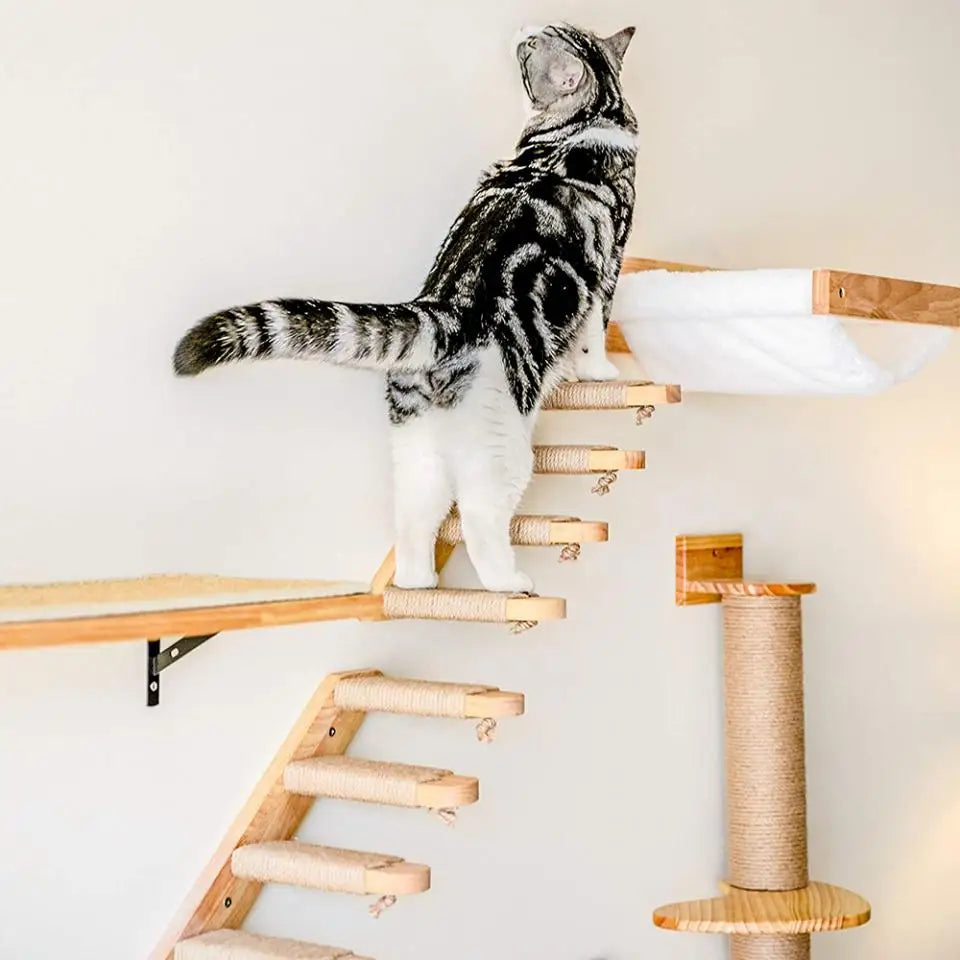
pixel 618 43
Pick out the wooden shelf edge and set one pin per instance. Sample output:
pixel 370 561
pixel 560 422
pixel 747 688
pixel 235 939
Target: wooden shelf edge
pixel 841 293
pixel 122 627
pixel 749 588
pixel 816 908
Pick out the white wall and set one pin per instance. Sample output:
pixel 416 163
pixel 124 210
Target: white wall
pixel 159 161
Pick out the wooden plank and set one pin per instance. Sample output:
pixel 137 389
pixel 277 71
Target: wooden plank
pixel 885 298
pixel 748 588
pixel 815 908
pixel 699 557
pixel 579 531
pixel 383 578
pixel 494 703
pixel 270 813
pixel 638 264
pixel 188 622
pixel 602 460
pixel 448 792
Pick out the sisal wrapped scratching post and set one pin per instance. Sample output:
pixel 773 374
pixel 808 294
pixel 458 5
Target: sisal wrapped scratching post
pixel 765 772
pixel 770 907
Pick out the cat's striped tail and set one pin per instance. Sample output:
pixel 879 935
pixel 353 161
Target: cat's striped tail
pixel 404 336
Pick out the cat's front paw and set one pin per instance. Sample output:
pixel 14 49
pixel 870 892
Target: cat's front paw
pixel 590 367
pixel 515 582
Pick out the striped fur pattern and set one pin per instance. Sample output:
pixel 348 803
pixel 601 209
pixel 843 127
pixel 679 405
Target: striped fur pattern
pixel 518 296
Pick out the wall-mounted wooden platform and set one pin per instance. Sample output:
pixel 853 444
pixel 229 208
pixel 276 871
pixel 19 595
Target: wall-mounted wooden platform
pixel 710 567
pixel 843 294
pixel 94 611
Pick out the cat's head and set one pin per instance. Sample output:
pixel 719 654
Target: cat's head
pixel 568 71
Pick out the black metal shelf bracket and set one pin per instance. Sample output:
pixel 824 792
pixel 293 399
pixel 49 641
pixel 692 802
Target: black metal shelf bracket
pixel 159 660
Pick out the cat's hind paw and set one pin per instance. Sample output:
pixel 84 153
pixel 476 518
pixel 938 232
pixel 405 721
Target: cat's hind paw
pixel 415 579
pixel 589 367
pixel 515 582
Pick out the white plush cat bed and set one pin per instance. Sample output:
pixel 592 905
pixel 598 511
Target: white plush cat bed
pixel 756 332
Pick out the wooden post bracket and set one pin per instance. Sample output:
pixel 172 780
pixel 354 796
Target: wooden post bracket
pixel 710 567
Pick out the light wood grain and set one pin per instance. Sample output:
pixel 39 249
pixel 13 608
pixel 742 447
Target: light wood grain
pixel 449 791
pixel 749 588
pixel 494 703
pixel 535 609
pixel 270 813
pixel 398 879
pixel 702 557
pixel 383 578
pixel 816 908
pixel 188 622
pixel 885 298
pixel 579 531
pixel 602 460
pixel 638 264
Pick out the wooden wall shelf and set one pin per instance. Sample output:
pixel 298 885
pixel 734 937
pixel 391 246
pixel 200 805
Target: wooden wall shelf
pixel 842 294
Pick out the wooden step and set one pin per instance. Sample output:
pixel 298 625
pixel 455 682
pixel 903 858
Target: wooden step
pixel 537 531
pixel 329 868
pixel 611 395
pixel 560 459
pixel 240 945
pixel 474 605
pixel 401 785
pixel 815 908
pixel 425 698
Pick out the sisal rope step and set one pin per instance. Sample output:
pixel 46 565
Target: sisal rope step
pixel 240 945
pixel 538 531
pixel 427 698
pixel 328 868
pixel 473 605
pixel 397 784
pixel 587 459
pixel 612 395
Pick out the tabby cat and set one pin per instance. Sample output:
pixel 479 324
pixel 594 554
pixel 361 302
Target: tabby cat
pixel 517 298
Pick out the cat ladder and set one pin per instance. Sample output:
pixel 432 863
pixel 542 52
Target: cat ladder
pixel 261 846
pixel 769 907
